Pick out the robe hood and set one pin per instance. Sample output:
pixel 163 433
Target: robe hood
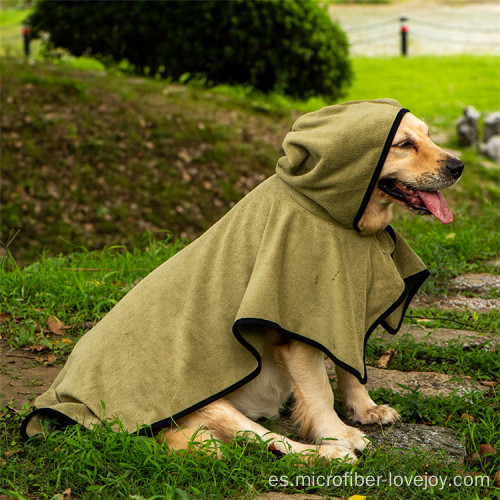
pixel 334 155
pixel 288 256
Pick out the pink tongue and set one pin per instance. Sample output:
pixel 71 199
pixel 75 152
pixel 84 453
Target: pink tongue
pixel 436 204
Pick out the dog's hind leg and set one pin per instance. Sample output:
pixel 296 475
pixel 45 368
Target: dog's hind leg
pixel 220 420
pixel 357 399
pixel 314 412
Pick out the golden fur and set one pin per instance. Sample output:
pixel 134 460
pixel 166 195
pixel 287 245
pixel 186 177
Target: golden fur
pixel 290 366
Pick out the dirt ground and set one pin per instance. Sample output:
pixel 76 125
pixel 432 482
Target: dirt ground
pixel 23 375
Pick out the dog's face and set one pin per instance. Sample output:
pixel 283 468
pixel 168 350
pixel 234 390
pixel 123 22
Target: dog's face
pixel 413 173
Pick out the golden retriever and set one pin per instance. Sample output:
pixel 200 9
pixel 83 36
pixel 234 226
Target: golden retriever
pixel 414 170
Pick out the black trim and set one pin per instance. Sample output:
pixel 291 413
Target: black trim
pixel 162 423
pixel 378 168
pixel 412 284
pixel 62 420
pixel 391 232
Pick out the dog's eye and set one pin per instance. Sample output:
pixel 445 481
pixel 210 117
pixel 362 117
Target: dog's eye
pixel 405 144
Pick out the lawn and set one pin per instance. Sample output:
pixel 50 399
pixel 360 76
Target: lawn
pixel 102 173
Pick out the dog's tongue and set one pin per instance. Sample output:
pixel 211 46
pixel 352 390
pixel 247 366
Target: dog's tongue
pixel 437 205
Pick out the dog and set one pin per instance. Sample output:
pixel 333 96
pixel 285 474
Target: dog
pixel 414 169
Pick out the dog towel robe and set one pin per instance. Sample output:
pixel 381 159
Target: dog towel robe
pixel 289 255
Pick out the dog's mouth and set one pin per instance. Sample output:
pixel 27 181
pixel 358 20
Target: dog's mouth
pixel 423 202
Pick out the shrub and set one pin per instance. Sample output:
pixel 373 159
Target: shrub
pixel 284 45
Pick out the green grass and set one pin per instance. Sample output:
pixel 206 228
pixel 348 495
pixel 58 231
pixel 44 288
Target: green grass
pixel 81 287
pixel 434 88
pixel 480 362
pixel 107 464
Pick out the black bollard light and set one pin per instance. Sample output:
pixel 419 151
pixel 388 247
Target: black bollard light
pixel 404 36
pixel 27 39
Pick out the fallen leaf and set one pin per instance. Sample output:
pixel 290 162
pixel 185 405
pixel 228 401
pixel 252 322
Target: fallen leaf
pixel 387 358
pixel 486 448
pixel 38 348
pixel 49 359
pixel 496 479
pixel 4 317
pixel 56 325
pixel 9 453
pixel 489 383
pixel 357 497
pixel 468 417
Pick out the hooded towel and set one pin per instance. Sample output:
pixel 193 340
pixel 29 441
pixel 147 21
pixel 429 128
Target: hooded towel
pixel 289 255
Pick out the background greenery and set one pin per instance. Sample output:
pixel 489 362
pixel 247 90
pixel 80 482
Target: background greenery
pixel 282 45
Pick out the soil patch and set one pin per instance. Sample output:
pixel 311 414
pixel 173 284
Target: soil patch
pixel 22 375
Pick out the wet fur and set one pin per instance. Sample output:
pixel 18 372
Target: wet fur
pixel 290 366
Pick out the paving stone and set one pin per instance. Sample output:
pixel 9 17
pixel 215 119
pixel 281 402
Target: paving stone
pixel 474 304
pixel 417 438
pixel 439 336
pixel 428 383
pixel 478 283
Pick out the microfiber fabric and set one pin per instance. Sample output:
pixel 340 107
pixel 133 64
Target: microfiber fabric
pixel 289 255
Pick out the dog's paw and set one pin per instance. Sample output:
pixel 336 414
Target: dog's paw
pixel 334 451
pixel 349 437
pixel 380 414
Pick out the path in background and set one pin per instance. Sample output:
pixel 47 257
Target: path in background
pixel 434 28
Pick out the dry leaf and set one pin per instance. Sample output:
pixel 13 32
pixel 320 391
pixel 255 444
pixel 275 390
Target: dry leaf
pixel 9 453
pixel 38 348
pixel 50 359
pixel 496 479
pixel 489 383
pixel 56 325
pixel 387 358
pixel 4 317
pixel 486 448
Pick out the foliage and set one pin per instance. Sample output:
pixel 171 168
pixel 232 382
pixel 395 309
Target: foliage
pixel 288 46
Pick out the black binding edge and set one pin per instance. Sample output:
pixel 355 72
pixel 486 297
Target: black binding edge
pixel 378 168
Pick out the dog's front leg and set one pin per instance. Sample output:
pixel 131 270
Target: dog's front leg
pixel 314 412
pixel 355 396
pixel 222 421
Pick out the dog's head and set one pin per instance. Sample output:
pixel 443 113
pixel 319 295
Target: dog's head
pixel 413 173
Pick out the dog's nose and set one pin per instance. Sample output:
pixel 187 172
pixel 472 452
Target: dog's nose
pixel 455 167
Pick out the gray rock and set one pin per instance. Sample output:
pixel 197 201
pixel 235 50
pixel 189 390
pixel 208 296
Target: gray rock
pixel 439 336
pixel 491 125
pixel 467 127
pixel 478 283
pixel 491 149
pixel 417 438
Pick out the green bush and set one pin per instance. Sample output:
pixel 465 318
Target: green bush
pixel 275 45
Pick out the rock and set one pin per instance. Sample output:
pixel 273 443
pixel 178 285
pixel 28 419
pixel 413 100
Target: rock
pixel 474 304
pixel 439 336
pixel 491 149
pixel 479 283
pixel 414 438
pixel 428 383
pixel 467 127
pixel 491 125
pixel 399 437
